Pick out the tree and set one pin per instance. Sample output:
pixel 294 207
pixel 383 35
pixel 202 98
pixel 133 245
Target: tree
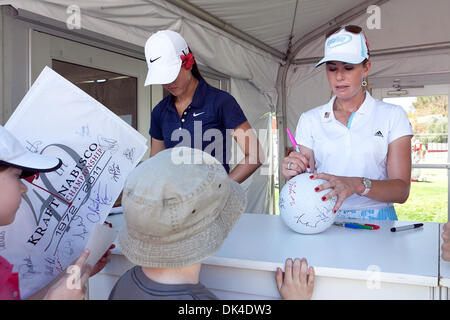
pixel 431 117
pixel 431 105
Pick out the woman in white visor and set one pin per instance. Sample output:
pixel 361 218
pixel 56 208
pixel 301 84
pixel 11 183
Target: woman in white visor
pixel 361 146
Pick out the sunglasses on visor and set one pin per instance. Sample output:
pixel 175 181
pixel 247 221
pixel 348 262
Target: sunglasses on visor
pixel 352 29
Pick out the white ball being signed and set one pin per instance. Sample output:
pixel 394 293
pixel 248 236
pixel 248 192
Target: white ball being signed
pixel 302 208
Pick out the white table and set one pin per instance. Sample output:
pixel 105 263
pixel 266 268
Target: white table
pixel 349 263
pixel 444 280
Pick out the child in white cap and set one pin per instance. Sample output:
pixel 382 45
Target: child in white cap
pixel 178 212
pixel 16 163
pixel 360 145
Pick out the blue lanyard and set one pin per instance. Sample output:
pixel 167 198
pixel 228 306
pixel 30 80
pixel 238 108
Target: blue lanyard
pixel 349 123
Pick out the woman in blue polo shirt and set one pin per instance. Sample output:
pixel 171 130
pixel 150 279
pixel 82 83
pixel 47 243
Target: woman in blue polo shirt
pixel 195 114
pixel 360 145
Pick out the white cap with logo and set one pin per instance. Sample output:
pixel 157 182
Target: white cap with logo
pixel 13 153
pixel 345 47
pixel 162 52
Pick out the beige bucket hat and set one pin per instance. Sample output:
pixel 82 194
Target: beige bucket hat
pixel 179 207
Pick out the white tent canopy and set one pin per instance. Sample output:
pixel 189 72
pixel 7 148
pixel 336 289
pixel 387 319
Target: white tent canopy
pixel 268 49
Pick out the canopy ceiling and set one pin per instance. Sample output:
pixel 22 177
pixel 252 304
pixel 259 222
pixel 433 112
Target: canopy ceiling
pixel 261 18
pixel 268 24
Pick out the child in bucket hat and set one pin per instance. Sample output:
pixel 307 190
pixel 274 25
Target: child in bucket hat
pixel 179 207
pixel 16 163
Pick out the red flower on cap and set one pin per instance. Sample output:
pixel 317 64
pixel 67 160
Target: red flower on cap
pixel 188 60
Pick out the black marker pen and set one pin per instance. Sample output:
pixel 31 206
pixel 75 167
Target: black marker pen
pixel 412 226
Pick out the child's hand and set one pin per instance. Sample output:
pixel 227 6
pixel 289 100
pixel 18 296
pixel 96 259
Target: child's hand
pixel 295 284
pixel 72 285
pixel 102 262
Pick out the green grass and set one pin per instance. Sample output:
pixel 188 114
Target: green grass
pixel 427 201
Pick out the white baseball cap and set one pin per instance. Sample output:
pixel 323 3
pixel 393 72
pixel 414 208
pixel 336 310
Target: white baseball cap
pixel 345 47
pixel 14 154
pixel 162 52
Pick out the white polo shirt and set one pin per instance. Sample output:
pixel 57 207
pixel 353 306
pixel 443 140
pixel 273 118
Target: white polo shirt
pixel 357 151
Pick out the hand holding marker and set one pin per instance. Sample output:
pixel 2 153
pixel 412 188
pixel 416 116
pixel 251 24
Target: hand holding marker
pixel 294 143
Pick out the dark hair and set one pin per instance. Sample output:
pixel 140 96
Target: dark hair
pixel 3 167
pixel 195 70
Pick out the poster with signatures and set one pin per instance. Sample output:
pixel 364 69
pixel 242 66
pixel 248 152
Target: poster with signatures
pixel 60 208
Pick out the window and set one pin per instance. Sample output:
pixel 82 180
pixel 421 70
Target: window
pixel 116 91
pixel 428 199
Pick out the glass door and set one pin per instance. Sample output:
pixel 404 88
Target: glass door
pixel 115 80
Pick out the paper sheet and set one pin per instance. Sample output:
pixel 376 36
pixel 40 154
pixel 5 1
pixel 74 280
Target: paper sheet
pixel 57 214
pixel 102 237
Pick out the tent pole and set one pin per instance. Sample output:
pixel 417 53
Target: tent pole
pixel 281 120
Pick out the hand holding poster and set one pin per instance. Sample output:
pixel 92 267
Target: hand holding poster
pixel 101 238
pixel 57 214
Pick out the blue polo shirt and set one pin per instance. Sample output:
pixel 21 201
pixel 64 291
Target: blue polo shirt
pixel 203 125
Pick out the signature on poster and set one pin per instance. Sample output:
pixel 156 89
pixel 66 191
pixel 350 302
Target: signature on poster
pixel 33 146
pixel 67 250
pixel 108 144
pixel 129 154
pixel 114 171
pixel 79 228
pixel 100 198
pixel 27 270
pixel 84 131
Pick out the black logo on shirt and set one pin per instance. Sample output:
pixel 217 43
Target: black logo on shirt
pixel 378 134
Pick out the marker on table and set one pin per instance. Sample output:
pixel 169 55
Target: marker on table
pixel 356 225
pixel 409 227
pixel 294 143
